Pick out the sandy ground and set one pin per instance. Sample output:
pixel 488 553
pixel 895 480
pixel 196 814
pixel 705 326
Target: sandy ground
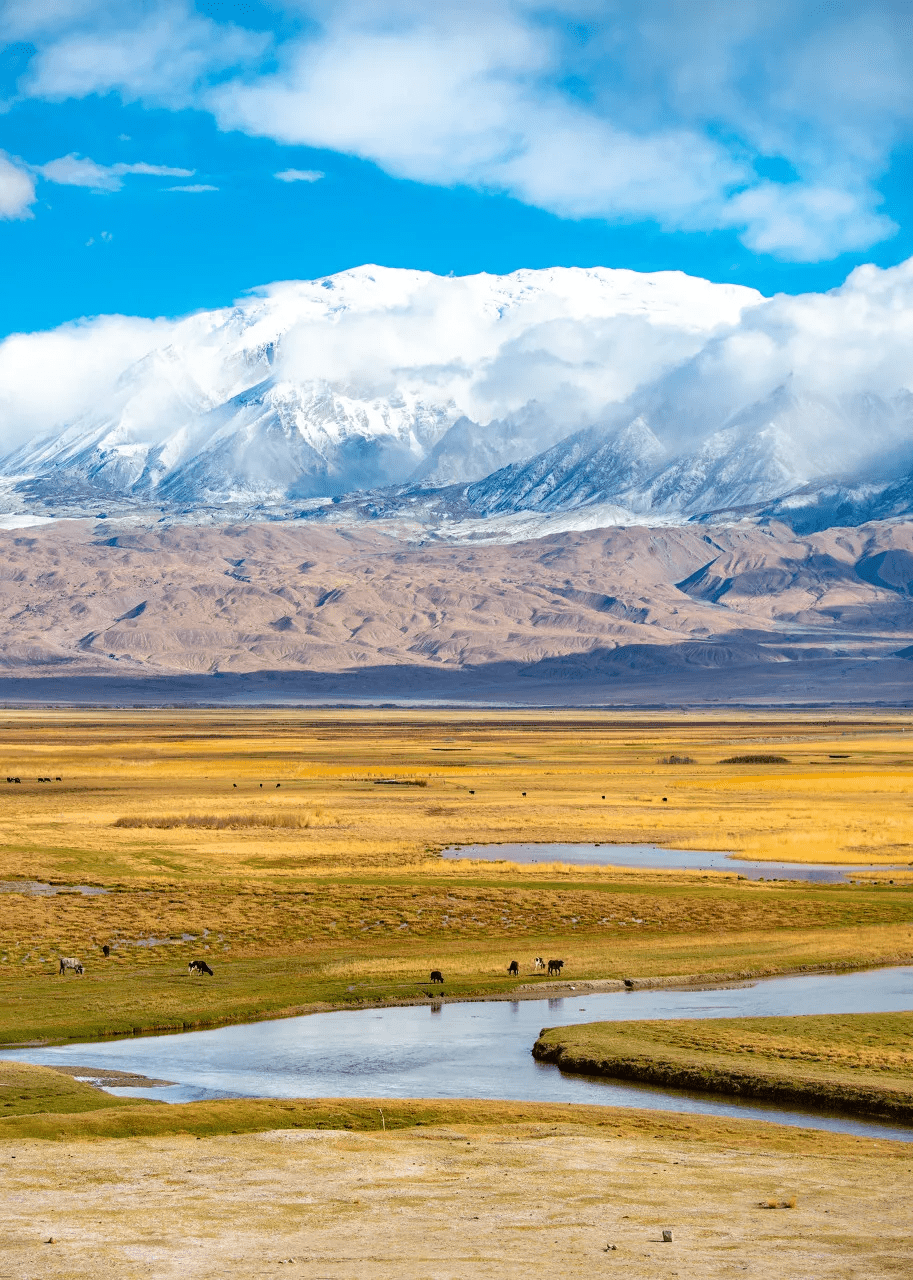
pixel 439 1204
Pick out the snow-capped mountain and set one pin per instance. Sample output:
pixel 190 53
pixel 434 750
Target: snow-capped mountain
pixel 641 397
pixel 366 378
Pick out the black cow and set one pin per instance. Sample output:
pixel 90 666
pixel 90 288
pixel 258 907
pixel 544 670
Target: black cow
pixel 555 966
pixel 513 967
pixel 436 976
pixel 199 966
pixel 106 950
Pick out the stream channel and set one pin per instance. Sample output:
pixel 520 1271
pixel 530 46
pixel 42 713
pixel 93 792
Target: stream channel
pixel 474 1049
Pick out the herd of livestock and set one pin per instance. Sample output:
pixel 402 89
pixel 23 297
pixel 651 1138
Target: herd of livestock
pixel 70 964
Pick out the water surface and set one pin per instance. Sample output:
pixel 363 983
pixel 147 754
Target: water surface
pixel 652 856
pixel 474 1049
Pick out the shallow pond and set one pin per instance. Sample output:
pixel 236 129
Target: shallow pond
pixel 651 855
pixel 472 1049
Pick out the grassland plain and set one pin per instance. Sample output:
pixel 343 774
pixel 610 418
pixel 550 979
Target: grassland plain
pixel 854 1062
pixel 298 851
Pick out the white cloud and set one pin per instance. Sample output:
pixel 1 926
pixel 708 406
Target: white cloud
pixel 79 171
pixel 48 379
pixel 17 189
pixel 300 175
pixel 157 53
pixel 588 108
pixel 194 188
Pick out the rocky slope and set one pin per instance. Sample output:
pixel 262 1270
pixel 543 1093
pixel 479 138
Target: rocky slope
pixel 583 613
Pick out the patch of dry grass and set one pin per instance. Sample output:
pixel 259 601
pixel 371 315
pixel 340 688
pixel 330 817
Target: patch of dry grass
pixel 166 810
pixel 227 821
pixel 862 1062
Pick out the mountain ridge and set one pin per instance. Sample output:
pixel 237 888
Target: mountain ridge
pixel 585 394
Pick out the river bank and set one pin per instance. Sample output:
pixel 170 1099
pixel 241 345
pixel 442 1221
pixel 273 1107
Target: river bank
pixel 859 1063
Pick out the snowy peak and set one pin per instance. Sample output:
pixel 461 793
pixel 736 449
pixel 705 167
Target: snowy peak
pixel 564 390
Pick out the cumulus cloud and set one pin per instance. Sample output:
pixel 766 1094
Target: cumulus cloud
pixel 300 175
pixel 775 119
pixel 48 380
pixel 79 171
pixel 17 189
pixel 158 53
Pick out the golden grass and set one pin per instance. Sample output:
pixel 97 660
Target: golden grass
pixel 861 1062
pixel 298 892
pixel 225 821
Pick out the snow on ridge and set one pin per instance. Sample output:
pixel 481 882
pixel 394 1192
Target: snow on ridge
pixel 661 395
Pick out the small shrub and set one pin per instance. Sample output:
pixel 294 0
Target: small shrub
pixel 755 760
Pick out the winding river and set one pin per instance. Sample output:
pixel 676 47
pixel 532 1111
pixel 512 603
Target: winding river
pixel 473 1049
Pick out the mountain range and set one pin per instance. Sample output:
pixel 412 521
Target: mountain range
pixel 595 397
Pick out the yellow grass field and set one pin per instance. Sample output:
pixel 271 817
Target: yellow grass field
pixel 860 1063
pixel 298 852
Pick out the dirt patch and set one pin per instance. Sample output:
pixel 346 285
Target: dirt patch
pixel 452 1202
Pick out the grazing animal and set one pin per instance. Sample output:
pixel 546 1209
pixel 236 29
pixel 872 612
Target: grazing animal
pixel 278 785
pixel 17 780
pixel 199 966
pixel 539 963
pixel 70 962
pixel 513 967
pixel 234 784
pixel 628 983
pixel 58 779
pixel 555 966
pixel 436 976
pixel 106 950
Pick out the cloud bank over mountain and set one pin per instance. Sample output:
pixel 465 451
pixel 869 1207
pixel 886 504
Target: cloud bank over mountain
pixel 776 120
pixel 661 394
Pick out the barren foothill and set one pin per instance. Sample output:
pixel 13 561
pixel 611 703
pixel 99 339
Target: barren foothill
pixel 109 611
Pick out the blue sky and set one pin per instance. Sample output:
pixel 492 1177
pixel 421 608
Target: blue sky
pixel 767 145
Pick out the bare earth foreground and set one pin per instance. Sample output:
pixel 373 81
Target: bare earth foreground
pixel 512 1201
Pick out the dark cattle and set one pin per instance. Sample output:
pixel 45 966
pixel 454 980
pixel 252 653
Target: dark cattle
pixel 106 950
pixel 199 966
pixel 58 779
pixel 17 780
pixel 278 785
pixel 71 963
pixel 234 784
pixel 628 983
pixel 513 967
pixel 436 976
pixel 555 966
